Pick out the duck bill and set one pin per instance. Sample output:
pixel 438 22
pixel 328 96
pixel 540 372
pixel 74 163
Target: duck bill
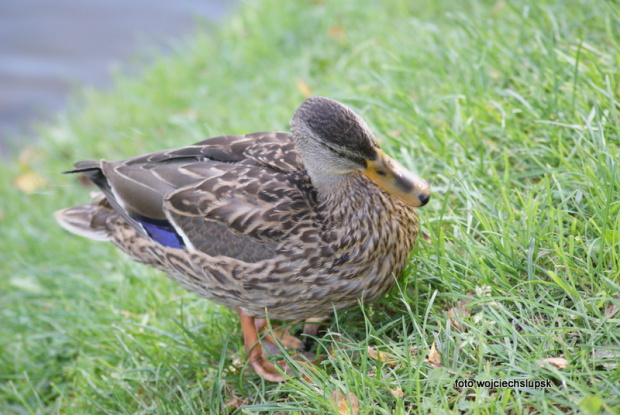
pixel 395 179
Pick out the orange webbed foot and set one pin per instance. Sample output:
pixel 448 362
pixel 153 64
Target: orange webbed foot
pixel 254 350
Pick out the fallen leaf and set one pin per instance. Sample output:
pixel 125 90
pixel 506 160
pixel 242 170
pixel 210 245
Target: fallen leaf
pixel 345 404
pixel 304 89
pixel 380 356
pixel 29 182
pixel 433 357
pixel 459 313
pixel 557 362
pixel 397 392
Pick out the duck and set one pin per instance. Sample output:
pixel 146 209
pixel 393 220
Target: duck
pixel 286 226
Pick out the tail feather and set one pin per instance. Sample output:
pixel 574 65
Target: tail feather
pixel 82 166
pixel 85 220
pixel 92 171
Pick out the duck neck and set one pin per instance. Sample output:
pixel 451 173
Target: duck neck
pixel 342 198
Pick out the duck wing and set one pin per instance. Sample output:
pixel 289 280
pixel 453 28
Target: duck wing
pixel 235 196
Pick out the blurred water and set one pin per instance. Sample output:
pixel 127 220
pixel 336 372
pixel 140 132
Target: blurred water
pixel 49 46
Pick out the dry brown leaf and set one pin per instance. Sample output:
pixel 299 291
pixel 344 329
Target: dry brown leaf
pixel 29 182
pixel 397 392
pixel 382 357
pixel 433 357
pixel 557 362
pixel 304 88
pixel 345 404
pixel 461 311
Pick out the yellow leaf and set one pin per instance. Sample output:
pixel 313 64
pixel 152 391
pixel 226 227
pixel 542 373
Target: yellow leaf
pixel 29 182
pixel 345 404
pixel 433 356
pixel 380 356
pixel 397 392
pixel 304 89
pixel 557 362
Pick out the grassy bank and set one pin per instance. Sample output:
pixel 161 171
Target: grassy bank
pixel 511 109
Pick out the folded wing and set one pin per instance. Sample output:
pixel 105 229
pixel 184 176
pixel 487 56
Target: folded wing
pixel 234 196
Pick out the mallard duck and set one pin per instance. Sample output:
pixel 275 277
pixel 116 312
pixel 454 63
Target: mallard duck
pixel 289 226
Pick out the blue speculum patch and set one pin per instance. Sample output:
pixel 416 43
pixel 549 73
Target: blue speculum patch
pixel 162 232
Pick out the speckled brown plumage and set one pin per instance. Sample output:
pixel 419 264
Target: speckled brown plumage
pixel 288 224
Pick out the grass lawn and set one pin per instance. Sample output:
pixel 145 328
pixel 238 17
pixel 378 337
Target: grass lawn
pixel 510 108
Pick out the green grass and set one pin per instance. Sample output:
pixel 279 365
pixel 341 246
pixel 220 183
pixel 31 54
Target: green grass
pixel 511 109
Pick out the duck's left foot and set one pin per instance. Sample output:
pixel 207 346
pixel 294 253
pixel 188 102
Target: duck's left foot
pixel 254 351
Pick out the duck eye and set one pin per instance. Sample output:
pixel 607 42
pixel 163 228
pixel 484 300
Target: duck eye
pixel 381 173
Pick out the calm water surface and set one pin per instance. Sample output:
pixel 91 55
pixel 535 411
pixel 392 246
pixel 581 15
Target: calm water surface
pixel 47 47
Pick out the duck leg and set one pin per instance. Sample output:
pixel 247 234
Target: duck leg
pixel 281 333
pixel 254 351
